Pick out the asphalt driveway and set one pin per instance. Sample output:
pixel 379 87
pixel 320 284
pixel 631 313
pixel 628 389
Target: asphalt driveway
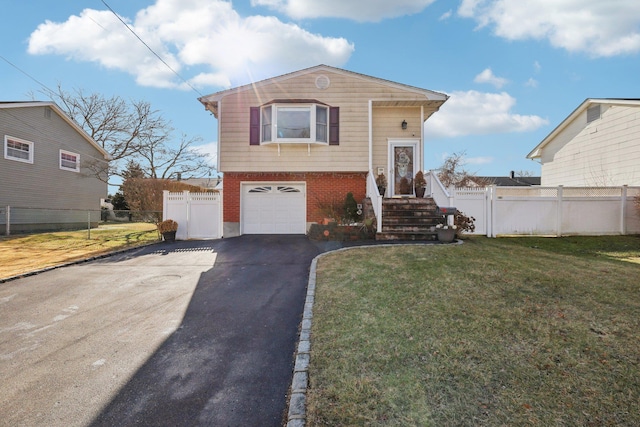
pixel 194 333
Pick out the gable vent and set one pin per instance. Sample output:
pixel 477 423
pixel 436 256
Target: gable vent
pixel 47 112
pixel 322 82
pixel 593 113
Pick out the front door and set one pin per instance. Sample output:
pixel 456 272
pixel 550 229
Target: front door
pixel 402 159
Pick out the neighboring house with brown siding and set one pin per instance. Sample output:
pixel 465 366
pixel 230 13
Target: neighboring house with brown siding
pixel 291 144
pixel 598 144
pixel 46 169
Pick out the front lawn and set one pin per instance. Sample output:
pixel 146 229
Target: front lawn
pixel 21 254
pixel 494 332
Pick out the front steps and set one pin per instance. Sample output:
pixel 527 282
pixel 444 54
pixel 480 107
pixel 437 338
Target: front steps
pixel 409 219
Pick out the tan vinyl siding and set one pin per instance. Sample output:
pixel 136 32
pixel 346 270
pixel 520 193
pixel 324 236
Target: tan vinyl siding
pixel 387 124
pixel 347 92
pixel 43 184
pixel 604 152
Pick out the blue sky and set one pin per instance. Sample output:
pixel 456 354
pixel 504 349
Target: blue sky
pixel 513 69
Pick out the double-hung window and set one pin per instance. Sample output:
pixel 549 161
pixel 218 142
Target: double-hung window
pixel 69 161
pixel 291 123
pixel 18 149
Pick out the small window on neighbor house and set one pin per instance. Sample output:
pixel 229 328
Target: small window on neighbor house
pixel 69 161
pixel 18 149
pixel 593 113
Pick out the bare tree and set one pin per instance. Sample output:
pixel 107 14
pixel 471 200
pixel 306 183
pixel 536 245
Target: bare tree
pixel 453 173
pixel 166 162
pixel 131 131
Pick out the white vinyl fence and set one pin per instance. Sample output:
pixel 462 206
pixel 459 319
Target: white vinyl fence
pixel 199 215
pixel 556 211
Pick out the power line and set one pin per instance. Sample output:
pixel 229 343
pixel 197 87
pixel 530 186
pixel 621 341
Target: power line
pixel 47 137
pixel 151 50
pixel 28 75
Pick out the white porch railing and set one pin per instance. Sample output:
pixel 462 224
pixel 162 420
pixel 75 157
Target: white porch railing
pixel 376 199
pixel 556 211
pixel 436 190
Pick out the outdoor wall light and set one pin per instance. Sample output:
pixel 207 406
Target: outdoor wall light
pixel 404 125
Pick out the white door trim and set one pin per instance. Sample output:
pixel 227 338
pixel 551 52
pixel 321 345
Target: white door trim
pixel 417 159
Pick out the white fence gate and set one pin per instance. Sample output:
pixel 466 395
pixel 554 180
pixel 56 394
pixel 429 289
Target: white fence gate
pixel 199 215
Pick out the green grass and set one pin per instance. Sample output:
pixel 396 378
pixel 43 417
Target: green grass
pixel 21 254
pixel 522 331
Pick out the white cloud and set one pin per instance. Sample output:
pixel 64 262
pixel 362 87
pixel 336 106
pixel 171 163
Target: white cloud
pixel 445 15
pixel 595 27
pixel 206 36
pixel 531 82
pixel 479 113
pixel 537 67
pixel 487 76
pixel 356 10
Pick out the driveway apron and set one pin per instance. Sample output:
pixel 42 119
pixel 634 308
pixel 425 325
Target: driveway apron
pixel 194 333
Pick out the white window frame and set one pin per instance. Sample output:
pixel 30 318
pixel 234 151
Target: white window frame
pixel 8 156
pixel 66 168
pixel 313 124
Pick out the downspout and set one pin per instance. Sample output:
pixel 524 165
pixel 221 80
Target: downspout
pixel 219 133
pixel 370 136
pixel 422 147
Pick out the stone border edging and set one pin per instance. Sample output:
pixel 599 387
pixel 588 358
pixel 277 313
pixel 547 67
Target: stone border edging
pixel 297 413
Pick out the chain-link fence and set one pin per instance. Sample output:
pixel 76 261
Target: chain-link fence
pixel 19 220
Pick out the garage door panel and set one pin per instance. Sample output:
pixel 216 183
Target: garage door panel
pixel 273 209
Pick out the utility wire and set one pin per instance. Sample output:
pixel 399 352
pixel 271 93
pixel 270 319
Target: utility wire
pixel 151 50
pixel 47 137
pixel 28 75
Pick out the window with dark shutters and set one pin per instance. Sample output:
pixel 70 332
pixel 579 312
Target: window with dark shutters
pixel 254 126
pixel 334 126
pixel 294 123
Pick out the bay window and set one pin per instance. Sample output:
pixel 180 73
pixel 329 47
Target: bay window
pixel 305 122
pixel 294 123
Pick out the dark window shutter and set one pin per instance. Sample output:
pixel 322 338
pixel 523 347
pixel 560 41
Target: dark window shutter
pixel 254 126
pixel 334 126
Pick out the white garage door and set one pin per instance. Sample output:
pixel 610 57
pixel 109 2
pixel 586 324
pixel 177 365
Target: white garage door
pixel 274 208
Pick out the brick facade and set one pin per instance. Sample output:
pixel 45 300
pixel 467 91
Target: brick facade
pixel 323 190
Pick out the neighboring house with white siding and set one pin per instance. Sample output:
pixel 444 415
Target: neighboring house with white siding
pixel 46 169
pixel 598 144
pixel 291 145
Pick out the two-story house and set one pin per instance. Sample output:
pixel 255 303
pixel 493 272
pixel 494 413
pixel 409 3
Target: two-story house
pixel 597 145
pixel 291 144
pixel 47 169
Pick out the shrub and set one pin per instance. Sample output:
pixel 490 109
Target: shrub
pixel 464 223
pixel 167 225
pixel 350 208
pixel 419 181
